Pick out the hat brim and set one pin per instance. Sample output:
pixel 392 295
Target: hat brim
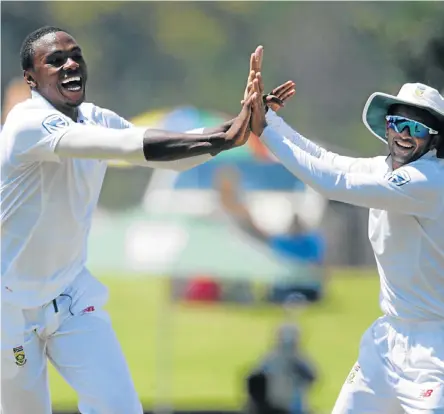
pixel 376 109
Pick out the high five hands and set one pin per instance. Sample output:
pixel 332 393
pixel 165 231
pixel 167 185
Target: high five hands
pixel 274 100
pixel 251 119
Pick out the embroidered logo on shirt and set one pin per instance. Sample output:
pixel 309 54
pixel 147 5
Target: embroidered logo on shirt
pixel 19 355
pixel 54 123
pixel 399 177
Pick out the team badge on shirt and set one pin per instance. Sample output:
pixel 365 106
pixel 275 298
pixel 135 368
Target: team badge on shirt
pixel 19 355
pixel 54 123
pixel 399 177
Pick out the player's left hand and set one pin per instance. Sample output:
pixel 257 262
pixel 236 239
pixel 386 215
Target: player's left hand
pixel 276 99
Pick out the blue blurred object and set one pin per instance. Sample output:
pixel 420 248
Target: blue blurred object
pixel 307 247
pixel 253 174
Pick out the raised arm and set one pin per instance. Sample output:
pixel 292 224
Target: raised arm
pixel 275 100
pixel 408 190
pixel 55 138
pixel 340 162
pixel 415 189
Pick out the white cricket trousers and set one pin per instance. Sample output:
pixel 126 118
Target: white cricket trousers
pixel 400 369
pixel 75 334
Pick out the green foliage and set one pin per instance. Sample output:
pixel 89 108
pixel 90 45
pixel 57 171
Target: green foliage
pixel 146 55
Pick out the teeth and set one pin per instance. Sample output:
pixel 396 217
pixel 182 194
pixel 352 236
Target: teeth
pixel 404 145
pixel 71 79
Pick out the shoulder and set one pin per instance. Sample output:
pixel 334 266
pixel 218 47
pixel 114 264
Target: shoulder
pixel 429 164
pixel 29 117
pixel 378 162
pixel 427 171
pixel 104 116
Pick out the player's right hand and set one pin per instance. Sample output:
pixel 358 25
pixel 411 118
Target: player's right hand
pixel 239 131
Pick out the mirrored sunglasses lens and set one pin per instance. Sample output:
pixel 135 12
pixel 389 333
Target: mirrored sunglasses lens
pixel 420 131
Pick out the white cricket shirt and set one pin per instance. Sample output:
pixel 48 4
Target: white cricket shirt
pixel 47 200
pixel 406 219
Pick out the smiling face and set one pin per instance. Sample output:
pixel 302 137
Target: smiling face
pixel 405 148
pixel 59 72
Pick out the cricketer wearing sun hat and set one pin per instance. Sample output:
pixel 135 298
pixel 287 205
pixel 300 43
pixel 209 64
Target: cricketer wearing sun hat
pixel 400 367
pixel 411 94
pixel 417 112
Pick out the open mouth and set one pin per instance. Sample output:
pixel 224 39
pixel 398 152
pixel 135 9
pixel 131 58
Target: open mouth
pixel 72 83
pixel 404 145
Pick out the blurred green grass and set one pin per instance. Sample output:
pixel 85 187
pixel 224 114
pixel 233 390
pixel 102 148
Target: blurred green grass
pixel 198 355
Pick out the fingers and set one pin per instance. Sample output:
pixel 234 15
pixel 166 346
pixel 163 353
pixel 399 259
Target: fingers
pixel 255 66
pixel 283 89
pixel 276 99
pixel 256 86
pixel 257 102
pixel 288 95
pixel 259 55
pixel 239 130
pixel 252 64
pixel 251 98
pixel 260 83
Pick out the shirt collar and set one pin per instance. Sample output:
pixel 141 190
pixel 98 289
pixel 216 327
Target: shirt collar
pixel 37 97
pixel 428 155
pixel 45 103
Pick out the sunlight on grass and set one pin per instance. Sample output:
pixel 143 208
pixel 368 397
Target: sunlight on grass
pixel 198 355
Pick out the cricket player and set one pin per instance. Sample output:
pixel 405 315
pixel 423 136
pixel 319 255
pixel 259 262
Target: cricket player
pixel 400 367
pixel 53 154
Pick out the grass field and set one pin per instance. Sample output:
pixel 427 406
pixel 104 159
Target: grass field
pixel 199 354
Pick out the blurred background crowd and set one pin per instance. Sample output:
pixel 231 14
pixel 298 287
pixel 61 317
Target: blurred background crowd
pixel 234 287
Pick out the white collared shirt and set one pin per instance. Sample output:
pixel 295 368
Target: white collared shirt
pixel 46 201
pixel 406 219
pixel 52 171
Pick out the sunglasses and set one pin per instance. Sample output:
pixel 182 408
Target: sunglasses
pixel 415 128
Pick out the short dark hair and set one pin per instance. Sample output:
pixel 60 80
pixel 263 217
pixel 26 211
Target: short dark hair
pixel 27 49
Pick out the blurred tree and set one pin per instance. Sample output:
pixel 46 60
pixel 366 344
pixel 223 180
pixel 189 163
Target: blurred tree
pixel 151 55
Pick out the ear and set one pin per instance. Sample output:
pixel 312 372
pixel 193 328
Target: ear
pixel 29 78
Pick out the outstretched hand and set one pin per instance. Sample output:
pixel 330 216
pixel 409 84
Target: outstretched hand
pixel 255 67
pixel 276 99
pixel 239 131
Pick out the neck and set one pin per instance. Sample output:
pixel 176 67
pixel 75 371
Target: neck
pixel 396 165
pixel 72 113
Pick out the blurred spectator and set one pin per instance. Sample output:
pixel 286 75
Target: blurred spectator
pixel 281 382
pixel 297 243
pixel 17 91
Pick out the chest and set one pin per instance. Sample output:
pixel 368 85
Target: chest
pixel 84 177
pixel 392 232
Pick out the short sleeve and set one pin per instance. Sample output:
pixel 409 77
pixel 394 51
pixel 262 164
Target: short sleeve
pixel 32 136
